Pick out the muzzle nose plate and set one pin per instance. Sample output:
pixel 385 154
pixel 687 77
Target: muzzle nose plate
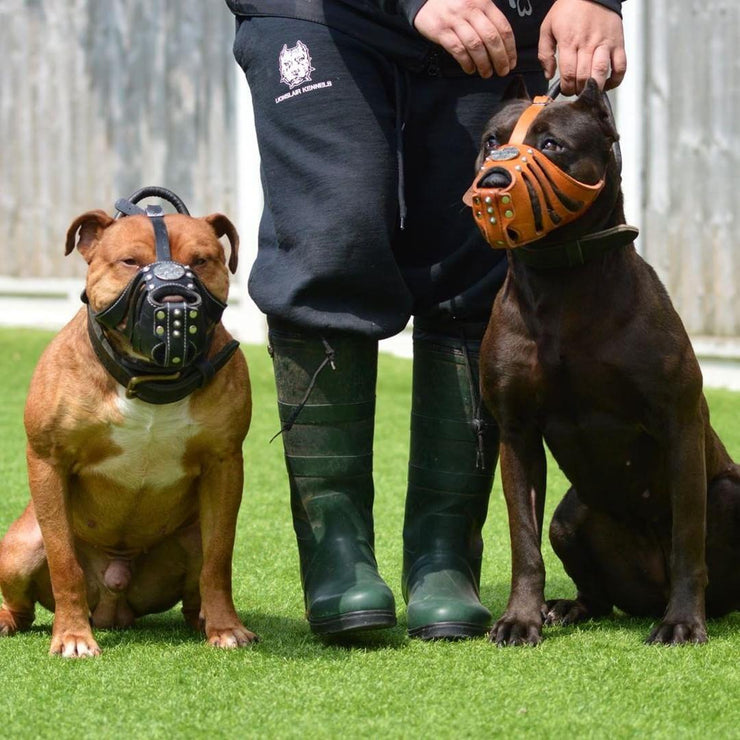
pixel 503 154
pixel 168 270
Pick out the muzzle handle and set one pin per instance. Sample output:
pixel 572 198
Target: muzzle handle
pixel 156 191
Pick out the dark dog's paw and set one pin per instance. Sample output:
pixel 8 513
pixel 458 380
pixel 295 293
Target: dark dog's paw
pixel 678 633
pixel 566 611
pixel 510 630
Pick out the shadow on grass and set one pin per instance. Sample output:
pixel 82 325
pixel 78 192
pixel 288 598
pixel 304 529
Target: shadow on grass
pixel 289 637
pixel 618 625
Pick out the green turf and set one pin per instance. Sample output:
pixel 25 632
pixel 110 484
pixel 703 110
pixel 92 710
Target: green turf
pixel 159 680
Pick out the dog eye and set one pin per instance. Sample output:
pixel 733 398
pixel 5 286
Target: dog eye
pixel 198 262
pixel 550 145
pixel 130 262
pixel 490 143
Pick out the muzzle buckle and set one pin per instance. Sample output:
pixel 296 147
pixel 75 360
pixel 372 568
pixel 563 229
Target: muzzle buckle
pixel 131 387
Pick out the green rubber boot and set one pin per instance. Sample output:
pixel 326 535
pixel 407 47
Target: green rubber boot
pixel 454 449
pixel 326 400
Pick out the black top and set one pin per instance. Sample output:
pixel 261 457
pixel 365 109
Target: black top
pixel 388 26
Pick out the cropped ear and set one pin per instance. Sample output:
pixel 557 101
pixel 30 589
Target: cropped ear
pixel 516 90
pixel 90 226
pixel 594 100
pixel 222 226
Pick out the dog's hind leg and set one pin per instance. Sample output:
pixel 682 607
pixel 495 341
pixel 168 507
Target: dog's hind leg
pixel 611 563
pixel 24 575
pixel 723 543
pixel 571 546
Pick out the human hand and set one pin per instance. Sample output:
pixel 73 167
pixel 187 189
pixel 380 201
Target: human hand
pixel 590 43
pixel 475 32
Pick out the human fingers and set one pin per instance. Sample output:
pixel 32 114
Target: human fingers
pixel 492 28
pixel 594 63
pixel 546 50
pixel 474 32
pixel 568 67
pixel 619 68
pixel 504 32
pixel 449 40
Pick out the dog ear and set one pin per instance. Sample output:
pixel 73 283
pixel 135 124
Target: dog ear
pixel 222 226
pixel 90 226
pixel 516 90
pixel 593 99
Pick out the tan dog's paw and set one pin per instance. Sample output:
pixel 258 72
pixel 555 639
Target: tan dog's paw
pixel 74 644
pixel 12 622
pixel 231 637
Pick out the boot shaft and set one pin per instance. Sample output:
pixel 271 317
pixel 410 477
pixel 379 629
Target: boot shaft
pixel 453 454
pixel 326 402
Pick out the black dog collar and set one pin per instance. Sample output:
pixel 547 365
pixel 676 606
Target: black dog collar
pixel 578 252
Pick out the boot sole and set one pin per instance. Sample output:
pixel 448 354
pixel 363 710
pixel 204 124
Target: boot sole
pixel 448 631
pixel 353 622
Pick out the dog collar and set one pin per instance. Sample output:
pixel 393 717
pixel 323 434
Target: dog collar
pixel 578 252
pixel 147 382
pixel 537 197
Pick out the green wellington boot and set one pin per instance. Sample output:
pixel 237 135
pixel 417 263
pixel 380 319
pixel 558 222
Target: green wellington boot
pixel 454 449
pixel 326 400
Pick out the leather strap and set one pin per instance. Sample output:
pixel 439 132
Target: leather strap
pixel 578 252
pixel 146 382
pixel 525 120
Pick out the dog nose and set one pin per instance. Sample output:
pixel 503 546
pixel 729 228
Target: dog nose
pixel 497 177
pixel 174 298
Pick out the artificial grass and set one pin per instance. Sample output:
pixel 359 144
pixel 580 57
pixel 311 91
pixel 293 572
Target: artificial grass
pixel 161 680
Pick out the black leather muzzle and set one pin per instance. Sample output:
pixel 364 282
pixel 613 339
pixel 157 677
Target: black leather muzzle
pixel 166 313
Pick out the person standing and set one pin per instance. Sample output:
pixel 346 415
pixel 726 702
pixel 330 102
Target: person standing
pixel 367 114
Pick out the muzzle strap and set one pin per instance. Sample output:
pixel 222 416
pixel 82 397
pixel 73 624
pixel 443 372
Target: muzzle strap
pixel 527 118
pixel 156 215
pixel 156 388
pixel 161 238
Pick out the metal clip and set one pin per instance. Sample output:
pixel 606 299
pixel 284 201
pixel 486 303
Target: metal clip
pixel 131 387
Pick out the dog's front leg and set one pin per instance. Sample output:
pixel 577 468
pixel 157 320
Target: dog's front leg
pixel 71 635
pixel 523 471
pixel 220 494
pixel 684 619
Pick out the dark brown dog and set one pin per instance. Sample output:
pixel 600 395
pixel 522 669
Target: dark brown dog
pixel 585 353
pixel 134 504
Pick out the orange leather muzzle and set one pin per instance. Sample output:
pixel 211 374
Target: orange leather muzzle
pixel 538 196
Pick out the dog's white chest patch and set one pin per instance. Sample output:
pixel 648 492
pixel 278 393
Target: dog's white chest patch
pixel 152 440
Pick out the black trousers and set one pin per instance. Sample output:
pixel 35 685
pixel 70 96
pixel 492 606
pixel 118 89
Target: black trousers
pixel 363 167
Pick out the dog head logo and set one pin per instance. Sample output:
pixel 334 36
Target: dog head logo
pixel 295 65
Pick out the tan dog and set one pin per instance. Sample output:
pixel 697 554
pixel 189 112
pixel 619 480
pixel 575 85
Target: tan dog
pixel 133 504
